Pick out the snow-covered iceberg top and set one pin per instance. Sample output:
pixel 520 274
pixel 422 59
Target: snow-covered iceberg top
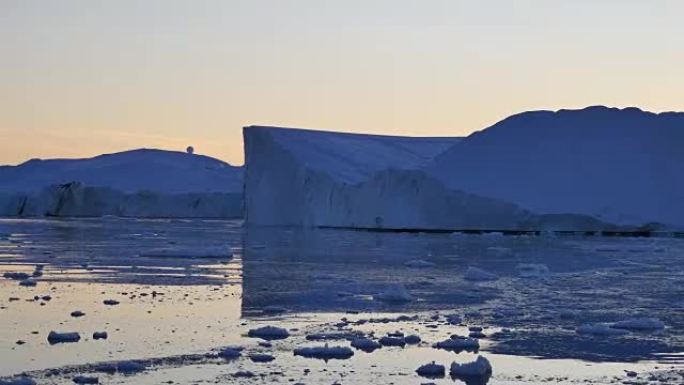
pixel 347 157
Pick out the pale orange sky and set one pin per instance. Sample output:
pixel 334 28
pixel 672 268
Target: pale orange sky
pixel 79 78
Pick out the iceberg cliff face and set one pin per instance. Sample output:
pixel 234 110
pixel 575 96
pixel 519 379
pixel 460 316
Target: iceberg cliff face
pixel 321 179
pixel 314 178
pixel 77 200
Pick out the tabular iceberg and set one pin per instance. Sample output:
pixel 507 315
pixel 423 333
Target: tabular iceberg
pixel 308 178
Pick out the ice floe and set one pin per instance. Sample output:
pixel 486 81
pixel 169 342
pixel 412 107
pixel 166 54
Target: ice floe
pixel 365 344
pixel 58 338
pixel 476 274
pixel 189 252
pixel 642 324
pixel 478 368
pixel 458 343
pixel 269 333
pixel 325 352
pixel 419 263
pixel 431 370
pixel 599 329
pixel 394 294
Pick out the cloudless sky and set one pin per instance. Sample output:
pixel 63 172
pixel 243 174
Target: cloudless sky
pixel 79 78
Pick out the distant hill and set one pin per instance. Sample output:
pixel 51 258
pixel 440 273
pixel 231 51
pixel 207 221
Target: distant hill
pixel 167 172
pixel 620 165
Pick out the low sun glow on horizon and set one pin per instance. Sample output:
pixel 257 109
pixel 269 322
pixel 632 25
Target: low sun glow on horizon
pixel 81 77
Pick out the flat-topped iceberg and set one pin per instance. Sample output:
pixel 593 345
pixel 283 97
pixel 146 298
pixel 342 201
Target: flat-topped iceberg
pixel 307 178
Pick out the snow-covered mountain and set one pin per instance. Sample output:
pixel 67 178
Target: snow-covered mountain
pixel 141 183
pixel 620 165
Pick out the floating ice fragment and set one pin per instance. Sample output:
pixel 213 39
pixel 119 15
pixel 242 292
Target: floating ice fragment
pixel 258 357
pixel 325 352
pixel 189 252
pixel 122 367
pixel 499 251
pixel 431 370
pixel 16 276
pixel 600 330
pixel 419 263
pixel 85 380
pixel 269 333
pixel 476 274
pixel 642 324
pixel 412 339
pixel 365 344
pixel 58 338
pixel 100 336
pixel 229 353
pixel 392 341
pixel 395 294
pixel 478 368
pixel 22 380
pixel 457 344
pixel 532 270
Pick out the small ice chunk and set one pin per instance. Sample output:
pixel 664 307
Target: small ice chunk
pixel 259 357
pixel 419 264
pixel 431 370
pixel 532 270
pixel 58 338
pixel 640 324
pixel 454 319
pixel 498 251
pixel 100 336
pixel 412 339
pixel 600 330
pixel 365 344
pixel 325 352
pixel 478 368
pixel 476 274
pixel 392 341
pixel 395 294
pixel 21 380
pixel 229 353
pixel 477 334
pixel 269 333
pixel 189 252
pixel 123 367
pixel 85 380
pixel 243 374
pixel 457 344
pixel 17 276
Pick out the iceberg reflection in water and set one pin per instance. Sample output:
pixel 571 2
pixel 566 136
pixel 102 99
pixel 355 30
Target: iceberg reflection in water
pixel 545 297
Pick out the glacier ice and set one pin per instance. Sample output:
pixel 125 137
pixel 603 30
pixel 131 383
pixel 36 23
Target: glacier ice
pixel 308 178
